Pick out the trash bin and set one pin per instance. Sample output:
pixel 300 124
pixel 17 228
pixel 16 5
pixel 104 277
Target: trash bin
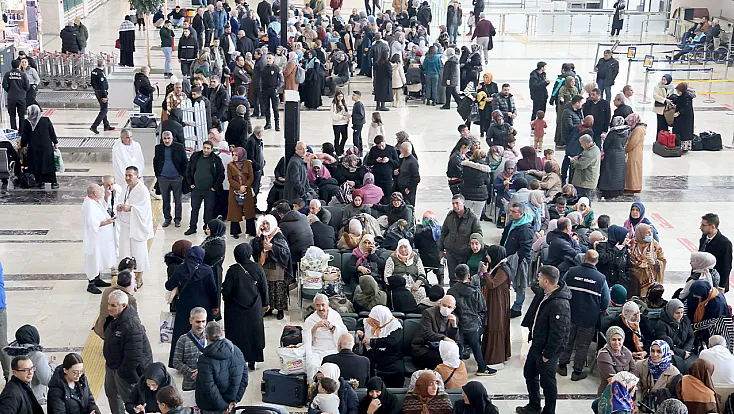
pixel 146 137
pixel 121 89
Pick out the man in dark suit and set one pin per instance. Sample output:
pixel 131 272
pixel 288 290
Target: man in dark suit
pixel 324 235
pixel 712 241
pixel 351 365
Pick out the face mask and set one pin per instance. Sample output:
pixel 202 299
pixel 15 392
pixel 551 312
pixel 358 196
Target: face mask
pixel 648 239
pixel 445 311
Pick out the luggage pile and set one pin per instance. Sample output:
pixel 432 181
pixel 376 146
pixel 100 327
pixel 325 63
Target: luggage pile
pixel 287 386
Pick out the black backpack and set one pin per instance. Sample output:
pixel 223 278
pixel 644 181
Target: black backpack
pixel 292 335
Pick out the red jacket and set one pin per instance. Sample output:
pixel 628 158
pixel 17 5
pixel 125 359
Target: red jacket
pixel 484 28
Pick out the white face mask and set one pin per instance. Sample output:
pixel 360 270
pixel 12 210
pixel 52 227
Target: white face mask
pixel 445 311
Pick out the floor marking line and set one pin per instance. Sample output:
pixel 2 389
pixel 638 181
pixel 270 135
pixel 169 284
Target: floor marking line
pixel 687 244
pixel 662 221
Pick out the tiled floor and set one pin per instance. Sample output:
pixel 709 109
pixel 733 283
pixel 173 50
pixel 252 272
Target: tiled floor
pixel 40 241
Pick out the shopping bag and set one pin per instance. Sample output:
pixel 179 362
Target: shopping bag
pixel 166 329
pixel 292 359
pixel 59 161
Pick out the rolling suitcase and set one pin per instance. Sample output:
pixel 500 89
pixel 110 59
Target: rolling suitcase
pixel 277 388
pixel 255 409
pixel 666 152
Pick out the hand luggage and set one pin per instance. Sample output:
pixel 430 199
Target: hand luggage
pixel 277 388
pixel 255 409
pixel 292 335
pixel 666 152
pixel 709 141
pixel 666 138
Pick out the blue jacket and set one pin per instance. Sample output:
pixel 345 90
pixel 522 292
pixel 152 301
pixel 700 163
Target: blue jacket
pixel 220 18
pixel 562 250
pixel 518 237
pixel 432 65
pixel 2 288
pixel 589 291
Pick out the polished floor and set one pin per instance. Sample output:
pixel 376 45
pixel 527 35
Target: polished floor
pixel 40 238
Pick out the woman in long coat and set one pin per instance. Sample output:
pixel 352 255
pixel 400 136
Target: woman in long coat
pixel 647 260
pixel 565 94
pixel 196 287
pixel 365 65
pixel 683 100
pixel 382 75
pixel 633 148
pixel 245 293
pixel 611 177
pixel 127 41
pixel 38 140
pixel 240 176
pixel 618 20
pixel 215 246
pixel 496 291
pixel 271 250
pixel 313 85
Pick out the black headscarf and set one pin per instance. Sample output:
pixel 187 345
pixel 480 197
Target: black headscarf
pixel 27 334
pixel 479 401
pixel 194 258
pixel 243 253
pixel 389 402
pixel 157 372
pixel 496 254
pixel 217 228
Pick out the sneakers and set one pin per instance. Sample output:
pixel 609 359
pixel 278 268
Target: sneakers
pixel 93 289
pixel 526 410
pixel 487 372
pixel 177 224
pixel 514 313
pixel 578 376
pixel 189 232
pixel 497 367
pixel 562 370
pixel 100 283
pixel 166 223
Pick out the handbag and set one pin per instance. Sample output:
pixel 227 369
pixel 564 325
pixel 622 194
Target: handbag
pixel 141 99
pixel 669 113
pixel 240 197
pixel 117 44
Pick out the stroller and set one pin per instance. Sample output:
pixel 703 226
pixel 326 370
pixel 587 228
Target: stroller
pixel 414 82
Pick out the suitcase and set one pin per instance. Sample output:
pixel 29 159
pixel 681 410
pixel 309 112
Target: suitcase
pixel 666 152
pixel 277 388
pixel 292 335
pixel 666 138
pixel 711 141
pixel 255 409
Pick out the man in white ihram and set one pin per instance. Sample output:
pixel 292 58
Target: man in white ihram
pixel 321 333
pixel 98 239
pixel 126 152
pixel 136 222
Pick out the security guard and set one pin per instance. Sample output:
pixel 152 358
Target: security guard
pixel 100 85
pixel 16 85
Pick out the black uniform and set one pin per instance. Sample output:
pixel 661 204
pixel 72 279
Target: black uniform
pixel 100 86
pixel 16 85
pixel 269 82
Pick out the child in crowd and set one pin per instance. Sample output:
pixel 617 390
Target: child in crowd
pixel 559 209
pixel 510 152
pixel 326 401
pixel 538 125
pixel 358 120
pixel 548 155
pixel 603 223
pixel 376 128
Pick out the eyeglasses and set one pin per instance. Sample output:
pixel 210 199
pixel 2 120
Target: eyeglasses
pixel 77 373
pixel 26 370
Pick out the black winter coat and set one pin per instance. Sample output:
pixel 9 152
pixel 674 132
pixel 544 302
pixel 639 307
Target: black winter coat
pixel 40 143
pixel 222 376
pixel 178 156
pixel 234 102
pixel 395 213
pixel 237 131
pixel 476 180
pixel 382 79
pixel 549 322
pixel 142 395
pixel 612 170
pixel 218 169
pixel 614 264
pixel 218 101
pixel 71 40
pixel 351 275
pixel 142 85
pixel 721 248
pixel 602 116
pixel 297 231
pixel 126 347
pixel 60 400
pixel 471 308
pixel 454 169
pixel 562 250
pixel 188 48
pixel 254 150
pixel 428 247
pixel 680 335
pixel 17 398
pixel 386 354
pixel 499 134
pixel 538 86
pixel 323 235
pixel 383 172
pixel 519 240
pixel 175 128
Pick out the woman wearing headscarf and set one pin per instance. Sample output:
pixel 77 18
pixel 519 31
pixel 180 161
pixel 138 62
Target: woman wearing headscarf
pixel 382 80
pixel 702 268
pixel 195 286
pixel 476 252
pixel 371 193
pixel 657 371
pixel 382 336
pixel 696 390
pixel 396 210
pixel 660 94
pixel 357 206
pixel 348 402
pixel 215 247
pixel 647 261
pixel 38 142
pixel 614 260
pixel 505 179
pixel 637 216
pixel 351 235
pixel 426 397
pixel 529 160
pixel 407 263
pixel 633 149
pixel 350 168
pixel 245 294
pixel 672 406
pixel 427 233
pixel 565 94
pixel 611 175
pixel 173 259
pixel 312 87
pixel 240 176
pixel 654 298
pixel 618 396
pixel 674 327
pixel 142 397
pixel 452 370
pixel 364 261
pixel 682 97
pixel 485 95
pixel 500 132
pixel 378 399
pixel 614 357
pixel 369 295
pixel 270 249
pixel 635 329
pixel 705 302
pixel 495 281
pixel 476 182
pixel 28 343
pixel 476 400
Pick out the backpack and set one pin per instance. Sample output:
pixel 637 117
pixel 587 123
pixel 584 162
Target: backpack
pixel 300 74
pixel 292 335
pixel 341 304
pixel 667 138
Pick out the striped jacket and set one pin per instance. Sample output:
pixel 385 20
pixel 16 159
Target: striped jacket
pixel 185 358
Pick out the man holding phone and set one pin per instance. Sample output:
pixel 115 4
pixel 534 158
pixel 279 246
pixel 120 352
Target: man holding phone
pixel 98 239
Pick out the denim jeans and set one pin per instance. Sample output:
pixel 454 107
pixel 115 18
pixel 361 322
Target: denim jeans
pixel 432 87
pixel 167 51
pixel 453 30
pixel 4 358
pixel 470 339
pixel 177 22
pixel 605 89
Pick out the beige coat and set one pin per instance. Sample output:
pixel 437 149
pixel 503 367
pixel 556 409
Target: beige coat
pixel 659 94
pixel 633 150
pixel 647 383
pixel 104 313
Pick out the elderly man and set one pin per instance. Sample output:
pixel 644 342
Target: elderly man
pixel 719 355
pixel 296 180
pixel 136 223
pixel 324 236
pixel 169 165
pixel 222 376
pixel 607 69
pixel 586 167
pixel 17 396
pixel 459 224
pixel 126 152
pixel 483 32
pixel 238 128
pixel 352 366
pixel 408 176
pixel 623 109
pixel 189 347
pixel 438 323
pixel 98 239
pixel 321 332
pixel 126 351
pixel 124 283
pixel 314 207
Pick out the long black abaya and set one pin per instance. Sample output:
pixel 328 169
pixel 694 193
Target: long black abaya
pixel 215 247
pixel 245 293
pixel 127 47
pixel 312 87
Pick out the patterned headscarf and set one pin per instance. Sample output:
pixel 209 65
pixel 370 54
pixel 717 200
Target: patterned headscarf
pixel 241 157
pixel 632 120
pixel 658 368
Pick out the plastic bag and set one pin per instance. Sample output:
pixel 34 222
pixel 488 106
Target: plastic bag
pixel 315 259
pixel 312 280
pixel 59 161
pixel 292 359
pixel 166 327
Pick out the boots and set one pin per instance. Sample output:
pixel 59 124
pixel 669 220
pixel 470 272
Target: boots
pixel 277 124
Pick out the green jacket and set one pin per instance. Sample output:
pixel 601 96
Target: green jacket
pixel 586 168
pixel 166 37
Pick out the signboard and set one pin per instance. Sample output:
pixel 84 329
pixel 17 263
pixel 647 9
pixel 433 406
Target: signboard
pixel 631 52
pixel 649 60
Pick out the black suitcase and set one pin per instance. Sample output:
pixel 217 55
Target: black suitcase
pixel 292 335
pixel 276 388
pixel 255 409
pixel 666 152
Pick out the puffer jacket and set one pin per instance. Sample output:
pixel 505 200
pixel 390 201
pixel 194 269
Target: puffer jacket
pixel 614 263
pixel 71 40
pixel 142 85
pixel 62 401
pixel 562 250
pixel 471 308
pixel 505 104
pixel 570 119
pixel 538 86
pixel 454 169
pixel 297 231
pixel 680 333
pixel 126 347
pixel 222 376
pixel 549 322
pixel 476 180
pixel 456 230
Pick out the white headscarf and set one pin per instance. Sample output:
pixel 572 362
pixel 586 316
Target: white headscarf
pixel 388 323
pixel 270 219
pixel 449 353
pixel 34 115
pixel 629 310
pixel 331 370
pixel 403 242
pixel 627 378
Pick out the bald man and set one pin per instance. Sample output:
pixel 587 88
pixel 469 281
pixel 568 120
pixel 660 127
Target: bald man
pixel 296 180
pixel 98 238
pixel 438 323
pixel 351 365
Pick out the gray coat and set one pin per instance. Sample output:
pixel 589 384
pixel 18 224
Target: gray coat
pixel 586 168
pixel 185 358
pixel 451 72
pixel 456 230
pixel 296 180
pixel 44 369
pixel 569 120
